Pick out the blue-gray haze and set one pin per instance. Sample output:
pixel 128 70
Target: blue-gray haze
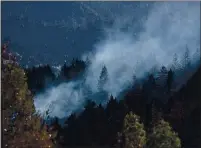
pixel 126 37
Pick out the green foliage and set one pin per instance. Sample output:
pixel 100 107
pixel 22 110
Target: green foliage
pixel 162 136
pixel 20 123
pixel 133 130
pixel 98 125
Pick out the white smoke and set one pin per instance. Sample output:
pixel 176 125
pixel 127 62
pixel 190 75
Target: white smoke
pixel 168 29
pixel 61 100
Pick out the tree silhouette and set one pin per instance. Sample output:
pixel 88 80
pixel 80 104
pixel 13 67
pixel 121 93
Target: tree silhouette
pixel 103 78
pixel 170 79
pixel 175 64
pixel 187 62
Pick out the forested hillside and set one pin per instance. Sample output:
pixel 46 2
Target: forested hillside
pixel 143 117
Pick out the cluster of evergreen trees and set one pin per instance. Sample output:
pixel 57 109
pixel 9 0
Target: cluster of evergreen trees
pixel 160 136
pixel 157 121
pixel 149 115
pixel 22 127
pixel 40 76
pixel 152 100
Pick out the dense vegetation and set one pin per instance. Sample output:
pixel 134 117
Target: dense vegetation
pixel 142 118
pixel 22 127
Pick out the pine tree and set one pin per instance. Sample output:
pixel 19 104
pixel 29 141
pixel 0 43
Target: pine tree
pixel 136 83
pixel 162 136
pixel 103 78
pixel 196 55
pixel 134 79
pixel 133 131
pixel 152 81
pixel 175 64
pixel 162 76
pixel 170 79
pixel 161 81
pixel 63 72
pixel 22 126
pixel 187 62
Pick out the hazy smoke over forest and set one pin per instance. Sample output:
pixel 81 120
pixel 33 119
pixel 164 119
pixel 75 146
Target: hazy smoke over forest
pixel 168 29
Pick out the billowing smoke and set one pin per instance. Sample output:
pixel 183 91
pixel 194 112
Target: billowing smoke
pixel 168 29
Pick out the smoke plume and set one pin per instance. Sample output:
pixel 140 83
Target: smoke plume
pixel 168 29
